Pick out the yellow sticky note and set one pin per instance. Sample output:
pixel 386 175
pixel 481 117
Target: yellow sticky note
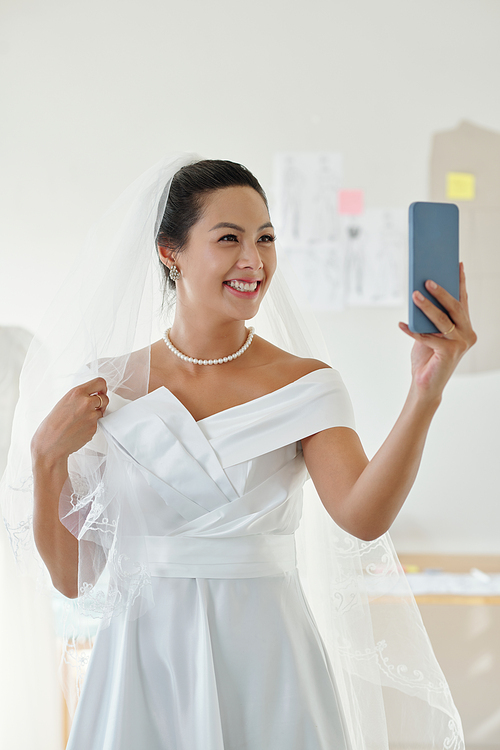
pixel 460 186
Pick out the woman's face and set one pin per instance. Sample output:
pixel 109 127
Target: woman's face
pixel 230 257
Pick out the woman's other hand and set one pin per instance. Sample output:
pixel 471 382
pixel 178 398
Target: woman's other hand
pixel 71 423
pixel 435 356
pixel 69 426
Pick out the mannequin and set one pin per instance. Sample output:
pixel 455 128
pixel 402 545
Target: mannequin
pixel 28 677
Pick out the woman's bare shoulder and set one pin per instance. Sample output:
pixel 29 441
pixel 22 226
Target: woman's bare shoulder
pixel 286 366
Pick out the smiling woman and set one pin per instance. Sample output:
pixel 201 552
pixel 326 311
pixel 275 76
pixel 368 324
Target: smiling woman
pixel 220 282
pixel 184 485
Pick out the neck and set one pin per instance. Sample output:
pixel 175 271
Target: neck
pixel 207 339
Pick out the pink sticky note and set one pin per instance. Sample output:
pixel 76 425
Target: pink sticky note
pixel 351 202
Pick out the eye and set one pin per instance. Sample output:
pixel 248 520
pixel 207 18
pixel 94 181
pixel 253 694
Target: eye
pixel 267 238
pixel 229 238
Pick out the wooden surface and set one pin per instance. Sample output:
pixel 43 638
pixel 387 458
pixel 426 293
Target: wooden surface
pixel 464 600
pixel 455 564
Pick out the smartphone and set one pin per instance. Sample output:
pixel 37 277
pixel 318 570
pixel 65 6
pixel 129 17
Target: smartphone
pixel 433 235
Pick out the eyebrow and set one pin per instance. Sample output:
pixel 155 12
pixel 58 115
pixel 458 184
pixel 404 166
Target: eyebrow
pixel 238 228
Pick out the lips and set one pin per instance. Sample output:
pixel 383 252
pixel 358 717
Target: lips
pixel 243 287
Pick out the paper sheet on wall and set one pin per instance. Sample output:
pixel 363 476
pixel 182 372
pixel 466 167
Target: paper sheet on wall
pixel 321 272
pixel 307 185
pixel 460 186
pixel 342 255
pixel 375 245
pixel 308 223
pixel 351 202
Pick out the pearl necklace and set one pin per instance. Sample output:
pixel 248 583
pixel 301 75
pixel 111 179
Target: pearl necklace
pixel 219 361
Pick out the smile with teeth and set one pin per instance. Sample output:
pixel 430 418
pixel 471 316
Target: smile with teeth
pixel 243 286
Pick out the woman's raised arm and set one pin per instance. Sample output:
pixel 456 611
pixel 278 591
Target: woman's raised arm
pixel 364 497
pixel 69 426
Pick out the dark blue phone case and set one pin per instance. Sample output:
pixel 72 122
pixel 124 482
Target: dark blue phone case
pixel 433 235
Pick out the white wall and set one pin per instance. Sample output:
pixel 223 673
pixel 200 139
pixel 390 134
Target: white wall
pixel 95 92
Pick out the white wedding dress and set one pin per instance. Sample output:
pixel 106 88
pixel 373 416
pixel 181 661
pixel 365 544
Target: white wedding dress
pixel 229 657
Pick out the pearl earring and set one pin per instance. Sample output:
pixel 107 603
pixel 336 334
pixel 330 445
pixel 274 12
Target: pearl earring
pixel 174 273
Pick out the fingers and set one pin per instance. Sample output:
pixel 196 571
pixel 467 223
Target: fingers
pixel 404 327
pixel 464 298
pixel 443 321
pixel 454 326
pixel 95 391
pixel 432 340
pixel 456 310
pixel 102 403
pixel 97 385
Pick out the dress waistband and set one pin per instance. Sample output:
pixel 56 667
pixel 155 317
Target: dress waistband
pixel 252 556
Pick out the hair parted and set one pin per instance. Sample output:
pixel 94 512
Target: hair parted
pixel 184 207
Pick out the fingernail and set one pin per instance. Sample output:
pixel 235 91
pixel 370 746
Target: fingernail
pixel 419 296
pixel 432 284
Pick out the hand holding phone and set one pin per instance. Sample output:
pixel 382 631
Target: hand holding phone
pixel 439 312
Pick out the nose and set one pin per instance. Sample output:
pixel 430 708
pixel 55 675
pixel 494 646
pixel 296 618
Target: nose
pixel 250 256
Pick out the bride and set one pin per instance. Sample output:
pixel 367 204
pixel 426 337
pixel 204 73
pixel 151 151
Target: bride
pixel 178 469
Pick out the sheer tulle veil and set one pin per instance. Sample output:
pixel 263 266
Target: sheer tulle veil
pixel 102 322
